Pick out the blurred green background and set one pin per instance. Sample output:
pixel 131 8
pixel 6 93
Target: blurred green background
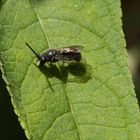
pixel 9 125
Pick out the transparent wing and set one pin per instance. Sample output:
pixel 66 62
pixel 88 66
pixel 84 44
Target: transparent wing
pixel 63 57
pixel 77 47
pixel 73 47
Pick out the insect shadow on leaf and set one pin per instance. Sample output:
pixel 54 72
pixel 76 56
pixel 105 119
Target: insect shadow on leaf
pixel 80 72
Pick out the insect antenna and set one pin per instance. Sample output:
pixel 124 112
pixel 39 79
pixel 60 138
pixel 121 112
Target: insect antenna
pixel 32 50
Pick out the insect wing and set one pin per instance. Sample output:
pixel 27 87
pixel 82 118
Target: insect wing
pixel 71 54
pixel 74 47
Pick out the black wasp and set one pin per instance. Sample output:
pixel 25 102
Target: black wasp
pixel 70 54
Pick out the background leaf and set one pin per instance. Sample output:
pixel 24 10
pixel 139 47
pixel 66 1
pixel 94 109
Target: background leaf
pixel 97 102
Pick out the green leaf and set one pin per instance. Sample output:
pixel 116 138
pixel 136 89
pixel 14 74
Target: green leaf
pixel 94 100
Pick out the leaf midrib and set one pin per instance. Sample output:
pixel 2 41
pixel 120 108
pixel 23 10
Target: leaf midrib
pixel 49 45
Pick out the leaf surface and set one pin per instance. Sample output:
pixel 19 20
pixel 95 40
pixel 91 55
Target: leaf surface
pixel 91 100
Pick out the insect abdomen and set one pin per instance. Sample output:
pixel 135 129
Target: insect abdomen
pixel 71 56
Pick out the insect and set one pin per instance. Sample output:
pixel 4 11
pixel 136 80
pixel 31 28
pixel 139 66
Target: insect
pixel 67 54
